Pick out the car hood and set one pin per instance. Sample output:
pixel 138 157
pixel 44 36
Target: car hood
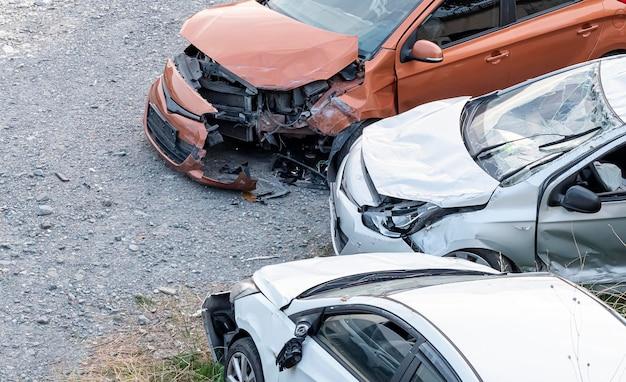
pixel 284 282
pixel 267 49
pixel 420 155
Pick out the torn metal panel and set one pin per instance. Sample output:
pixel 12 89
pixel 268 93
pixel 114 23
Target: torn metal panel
pixel 268 49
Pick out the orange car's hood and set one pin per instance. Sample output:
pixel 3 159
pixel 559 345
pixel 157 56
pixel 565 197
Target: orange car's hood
pixel 267 49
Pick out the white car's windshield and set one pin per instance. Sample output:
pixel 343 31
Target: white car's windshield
pixel 536 123
pixel 372 21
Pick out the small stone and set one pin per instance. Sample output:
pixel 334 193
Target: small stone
pixel 52 287
pixel 45 225
pixel 8 49
pixel 44 210
pixel 143 320
pixel 6 246
pixel 133 248
pixel 120 154
pixel 118 238
pixel 62 177
pixel 39 172
pixel 43 320
pixel 107 203
pixel 167 291
pixel 42 198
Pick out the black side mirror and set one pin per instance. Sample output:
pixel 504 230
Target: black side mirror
pixel 580 199
pixel 291 353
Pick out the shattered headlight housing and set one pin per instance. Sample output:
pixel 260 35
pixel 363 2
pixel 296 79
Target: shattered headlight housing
pixel 399 219
pixel 242 289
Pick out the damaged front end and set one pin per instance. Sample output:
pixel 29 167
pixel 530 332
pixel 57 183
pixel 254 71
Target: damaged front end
pixel 250 114
pixel 197 102
pixel 180 134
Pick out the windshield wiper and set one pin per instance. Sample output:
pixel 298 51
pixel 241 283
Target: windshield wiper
pixel 571 137
pixel 493 147
pixel 363 279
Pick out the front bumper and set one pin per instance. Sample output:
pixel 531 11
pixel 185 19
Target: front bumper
pixel 180 140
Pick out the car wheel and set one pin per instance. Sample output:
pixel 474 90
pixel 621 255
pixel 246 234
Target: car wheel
pixel 243 363
pixel 491 259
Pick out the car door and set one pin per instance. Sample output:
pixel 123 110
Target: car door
pixel 587 246
pixel 476 56
pixel 369 343
pixel 551 34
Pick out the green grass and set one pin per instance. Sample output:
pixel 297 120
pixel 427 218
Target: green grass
pixel 616 299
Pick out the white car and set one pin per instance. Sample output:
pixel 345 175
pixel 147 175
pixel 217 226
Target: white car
pixel 525 179
pixel 401 317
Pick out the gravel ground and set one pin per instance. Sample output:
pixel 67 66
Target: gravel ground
pixel 89 216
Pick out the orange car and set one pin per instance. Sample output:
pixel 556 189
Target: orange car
pixel 271 70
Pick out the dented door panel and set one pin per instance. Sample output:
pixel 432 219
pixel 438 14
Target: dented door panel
pixel 584 247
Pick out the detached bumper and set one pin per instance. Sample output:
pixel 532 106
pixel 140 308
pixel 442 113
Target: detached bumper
pixel 179 136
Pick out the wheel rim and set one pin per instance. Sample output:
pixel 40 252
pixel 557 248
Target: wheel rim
pixel 474 258
pixel 240 369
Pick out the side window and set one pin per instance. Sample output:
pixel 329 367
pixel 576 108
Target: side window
pixel 372 346
pixel 527 8
pixel 605 176
pixel 431 367
pixel 457 20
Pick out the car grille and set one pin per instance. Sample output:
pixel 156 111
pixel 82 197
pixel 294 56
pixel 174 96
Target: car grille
pixel 166 137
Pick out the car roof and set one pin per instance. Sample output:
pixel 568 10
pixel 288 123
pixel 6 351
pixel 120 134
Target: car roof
pixel 526 328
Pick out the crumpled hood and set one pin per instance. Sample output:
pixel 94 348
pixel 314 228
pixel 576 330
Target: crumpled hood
pixel 281 283
pixel 420 155
pixel 267 49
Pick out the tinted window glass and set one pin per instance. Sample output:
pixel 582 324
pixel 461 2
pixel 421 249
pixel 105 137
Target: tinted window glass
pixel 527 8
pixel 457 20
pixel 372 346
pixel 426 373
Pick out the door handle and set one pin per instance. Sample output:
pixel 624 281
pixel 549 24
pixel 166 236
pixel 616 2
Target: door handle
pixel 496 57
pixel 586 30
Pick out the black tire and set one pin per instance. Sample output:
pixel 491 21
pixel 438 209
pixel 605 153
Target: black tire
pixel 245 346
pixel 495 260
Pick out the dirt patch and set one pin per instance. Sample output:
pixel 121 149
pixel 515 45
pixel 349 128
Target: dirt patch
pixel 163 341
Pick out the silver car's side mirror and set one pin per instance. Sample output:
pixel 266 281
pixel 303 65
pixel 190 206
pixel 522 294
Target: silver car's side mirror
pixel 580 199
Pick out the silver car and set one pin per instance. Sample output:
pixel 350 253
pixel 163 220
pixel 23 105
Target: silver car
pixel 529 178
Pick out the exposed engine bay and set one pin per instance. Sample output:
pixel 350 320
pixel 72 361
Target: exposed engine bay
pixel 249 114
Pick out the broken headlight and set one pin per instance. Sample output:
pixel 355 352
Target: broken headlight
pixel 397 220
pixel 243 289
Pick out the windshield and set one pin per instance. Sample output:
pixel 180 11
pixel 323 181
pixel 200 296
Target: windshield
pixel 372 21
pixel 530 126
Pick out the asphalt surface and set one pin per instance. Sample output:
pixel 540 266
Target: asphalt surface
pixel 89 216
